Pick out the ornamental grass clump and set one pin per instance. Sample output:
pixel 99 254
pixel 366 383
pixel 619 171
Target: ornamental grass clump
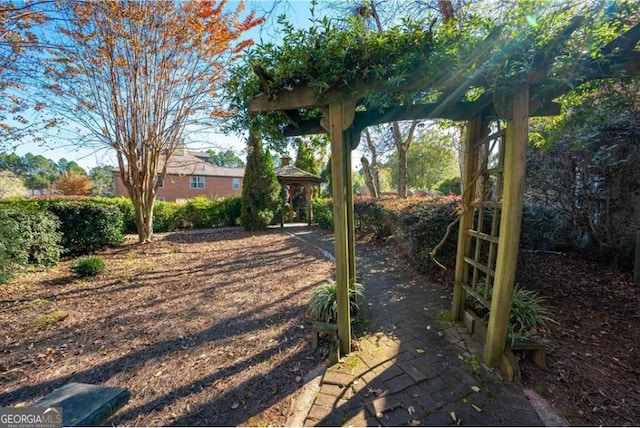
pixel 528 315
pixel 323 305
pixel 529 318
pixel 88 266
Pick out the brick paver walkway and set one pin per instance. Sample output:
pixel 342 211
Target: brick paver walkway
pixel 414 366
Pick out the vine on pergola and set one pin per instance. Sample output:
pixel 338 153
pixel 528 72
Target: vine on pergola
pixel 418 62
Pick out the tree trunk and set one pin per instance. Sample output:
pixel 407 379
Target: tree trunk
pixel 402 147
pixel 368 178
pixel 144 215
pixel 402 173
pixel 373 166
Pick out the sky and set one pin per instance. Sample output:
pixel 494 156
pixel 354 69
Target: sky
pixel 298 14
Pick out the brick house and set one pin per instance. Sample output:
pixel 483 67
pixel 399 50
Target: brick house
pixel 189 175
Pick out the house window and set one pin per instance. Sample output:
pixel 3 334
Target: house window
pixel 197 182
pixel 159 198
pixel 160 182
pixel 236 184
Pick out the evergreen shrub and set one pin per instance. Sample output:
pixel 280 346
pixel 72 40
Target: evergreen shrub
pixel 449 186
pixel 125 206
pixel 88 227
pixel 228 211
pixel 323 212
pixel 261 192
pixel 27 237
pixel 194 213
pixel 12 254
pixel 164 217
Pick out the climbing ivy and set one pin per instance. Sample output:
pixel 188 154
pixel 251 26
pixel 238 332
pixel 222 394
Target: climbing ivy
pixel 424 60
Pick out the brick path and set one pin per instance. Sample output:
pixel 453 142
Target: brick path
pixel 414 366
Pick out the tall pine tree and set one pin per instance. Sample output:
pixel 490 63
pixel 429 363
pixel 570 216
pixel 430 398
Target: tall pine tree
pixel 260 188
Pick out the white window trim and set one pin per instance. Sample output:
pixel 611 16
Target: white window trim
pixel 235 184
pixel 195 180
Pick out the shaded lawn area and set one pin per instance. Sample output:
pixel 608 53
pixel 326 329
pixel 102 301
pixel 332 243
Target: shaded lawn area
pixel 203 329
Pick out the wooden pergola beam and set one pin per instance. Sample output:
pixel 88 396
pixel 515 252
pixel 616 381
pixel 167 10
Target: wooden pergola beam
pixel 459 111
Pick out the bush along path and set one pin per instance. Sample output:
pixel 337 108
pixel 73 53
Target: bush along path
pixel 411 365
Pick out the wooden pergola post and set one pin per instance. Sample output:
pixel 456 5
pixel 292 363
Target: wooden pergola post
pixel 308 193
pixel 351 239
pixel 475 131
pixel 341 117
pixel 510 225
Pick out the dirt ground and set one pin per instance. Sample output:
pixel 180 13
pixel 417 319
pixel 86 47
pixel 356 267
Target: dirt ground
pixel 211 329
pixel 593 373
pixel 203 329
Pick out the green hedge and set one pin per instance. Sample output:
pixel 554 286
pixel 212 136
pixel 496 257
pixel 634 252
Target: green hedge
pixel 125 206
pixel 87 227
pixel 323 212
pixel 88 224
pixel 27 237
pixel 416 226
pixel 201 212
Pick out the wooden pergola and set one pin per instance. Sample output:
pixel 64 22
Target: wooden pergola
pixel 490 280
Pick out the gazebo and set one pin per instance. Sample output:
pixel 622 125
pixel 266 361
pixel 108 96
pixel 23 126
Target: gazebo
pixel 487 276
pixel 292 178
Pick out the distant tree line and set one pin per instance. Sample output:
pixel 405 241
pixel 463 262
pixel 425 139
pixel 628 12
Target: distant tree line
pixel 38 174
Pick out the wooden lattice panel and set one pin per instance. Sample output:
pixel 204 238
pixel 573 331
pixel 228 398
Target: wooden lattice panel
pixel 482 237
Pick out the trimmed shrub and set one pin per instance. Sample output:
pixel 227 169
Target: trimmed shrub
pixel 450 186
pixel 194 213
pixel 42 239
pixel 27 237
pixel 323 304
pixel 88 227
pixel 125 206
pixel 12 254
pixel 229 211
pixel 414 225
pixel 372 219
pixel 164 217
pixel 87 266
pixel 323 212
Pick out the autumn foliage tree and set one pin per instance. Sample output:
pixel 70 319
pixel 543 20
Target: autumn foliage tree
pixel 18 44
pixel 71 183
pixel 137 76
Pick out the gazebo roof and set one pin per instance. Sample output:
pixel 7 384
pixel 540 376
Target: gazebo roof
pixel 289 174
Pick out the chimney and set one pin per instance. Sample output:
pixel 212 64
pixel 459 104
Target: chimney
pixel 285 161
